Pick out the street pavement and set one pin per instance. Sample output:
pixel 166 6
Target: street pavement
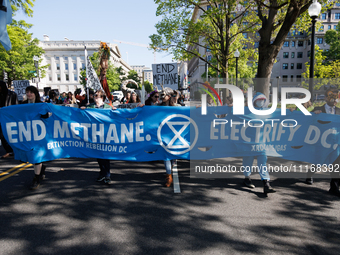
pixel 72 214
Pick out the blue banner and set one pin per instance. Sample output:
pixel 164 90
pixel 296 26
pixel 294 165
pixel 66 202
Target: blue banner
pixel 161 133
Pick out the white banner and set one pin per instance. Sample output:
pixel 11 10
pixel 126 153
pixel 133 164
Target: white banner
pixel 166 75
pixel 92 78
pixel 20 88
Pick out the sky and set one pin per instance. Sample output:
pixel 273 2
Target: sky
pixel 128 21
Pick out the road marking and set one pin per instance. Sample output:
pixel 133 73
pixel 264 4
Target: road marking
pixel 7 172
pixel 15 172
pixel 177 188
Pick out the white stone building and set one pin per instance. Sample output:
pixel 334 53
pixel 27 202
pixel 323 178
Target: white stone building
pixel 66 58
pixel 147 72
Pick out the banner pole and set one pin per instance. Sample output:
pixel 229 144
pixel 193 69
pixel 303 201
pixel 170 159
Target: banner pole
pixel 87 87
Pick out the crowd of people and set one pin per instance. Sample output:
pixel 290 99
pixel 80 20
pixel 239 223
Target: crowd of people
pixel 155 98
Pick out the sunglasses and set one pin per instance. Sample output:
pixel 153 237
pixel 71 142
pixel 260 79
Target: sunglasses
pixel 156 96
pixel 174 96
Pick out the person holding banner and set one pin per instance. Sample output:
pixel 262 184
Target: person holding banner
pixel 104 164
pixel 7 98
pixel 174 99
pixel 153 98
pixel 126 98
pixel 260 102
pixel 134 98
pixel 329 108
pixel 33 96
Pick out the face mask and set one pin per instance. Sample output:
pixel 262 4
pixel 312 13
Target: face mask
pixel 259 103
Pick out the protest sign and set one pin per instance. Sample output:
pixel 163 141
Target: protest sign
pixel 20 88
pixel 166 75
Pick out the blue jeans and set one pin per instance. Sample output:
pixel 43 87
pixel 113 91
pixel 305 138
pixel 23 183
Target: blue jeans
pixel 168 165
pixel 261 161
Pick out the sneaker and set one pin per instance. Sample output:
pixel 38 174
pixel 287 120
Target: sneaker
pixel 168 180
pixel 107 180
pixel 35 183
pixel 267 188
pixel 247 182
pixel 100 179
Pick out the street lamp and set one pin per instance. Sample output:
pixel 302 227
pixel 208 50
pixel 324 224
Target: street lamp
pixel 36 64
pixel 313 11
pixel 236 55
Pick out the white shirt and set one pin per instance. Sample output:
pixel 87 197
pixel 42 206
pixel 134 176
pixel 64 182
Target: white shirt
pixel 329 110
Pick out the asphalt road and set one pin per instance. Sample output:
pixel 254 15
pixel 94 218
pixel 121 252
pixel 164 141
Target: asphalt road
pixel 72 214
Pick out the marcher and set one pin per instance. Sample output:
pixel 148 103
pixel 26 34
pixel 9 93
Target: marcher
pixel 53 97
pixel 70 99
pixel 33 96
pixel 260 102
pixel 153 98
pixel 91 100
pixel 104 164
pixel 7 98
pixel 134 98
pixel 174 99
pixel 165 97
pixel 329 108
pixel 126 98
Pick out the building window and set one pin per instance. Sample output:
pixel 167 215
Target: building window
pixel 285 54
pixel 49 67
pixel 50 78
pixel 56 58
pixel 299 54
pixel 82 65
pixel 66 66
pixel 286 44
pixel 285 66
pixel 284 78
pixel 291 78
pixel 299 66
pixel 300 33
pixel 323 15
pixel 58 77
pixel 292 66
pixel 75 77
pixel 309 42
pixel 300 43
pixel 298 78
pixel 257 44
pixel 293 43
pixel 319 40
pixel 321 29
pixel 337 15
pixel 293 55
pixel 208 7
pixel 65 58
pixel 67 77
pixel 329 27
pixel 334 27
pixel 74 58
pixel 308 53
pixel 245 35
pixel 74 66
pixel 58 66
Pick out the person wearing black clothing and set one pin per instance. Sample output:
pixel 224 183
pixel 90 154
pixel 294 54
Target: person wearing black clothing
pixel 7 98
pixel 84 102
pixel 33 96
pixel 153 98
pixel 329 108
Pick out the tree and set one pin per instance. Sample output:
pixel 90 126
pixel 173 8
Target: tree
pixel 218 28
pixel 332 37
pixel 133 75
pixel 148 86
pixel 18 62
pixel 25 5
pixel 276 20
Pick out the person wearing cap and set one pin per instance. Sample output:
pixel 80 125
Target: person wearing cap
pixel 260 102
pixel 329 108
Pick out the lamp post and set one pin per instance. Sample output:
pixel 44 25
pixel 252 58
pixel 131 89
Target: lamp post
pixel 36 64
pixel 313 11
pixel 236 55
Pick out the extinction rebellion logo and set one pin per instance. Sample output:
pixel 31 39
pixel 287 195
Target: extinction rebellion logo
pixel 178 126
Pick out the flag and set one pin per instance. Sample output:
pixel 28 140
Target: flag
pixel 5 18
pixel 91 75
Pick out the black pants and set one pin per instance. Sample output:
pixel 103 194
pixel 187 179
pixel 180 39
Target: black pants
pixel 335 181
pixel 4 143
pixel 104 165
